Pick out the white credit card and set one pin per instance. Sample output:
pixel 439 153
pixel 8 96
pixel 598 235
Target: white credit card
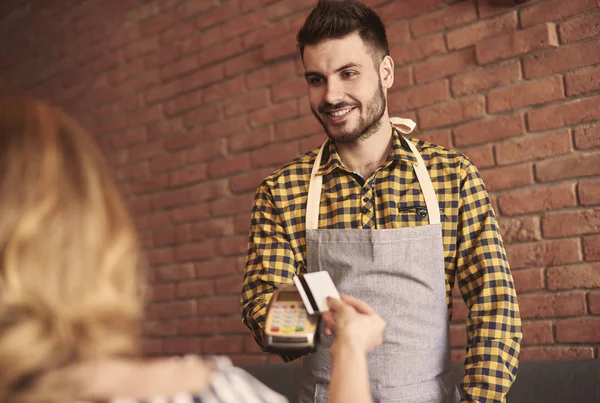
pixel 314 288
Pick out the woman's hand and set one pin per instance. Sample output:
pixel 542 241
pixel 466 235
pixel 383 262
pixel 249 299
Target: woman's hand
pixel 353 323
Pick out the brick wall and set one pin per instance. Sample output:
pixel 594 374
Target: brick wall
pixel 194 102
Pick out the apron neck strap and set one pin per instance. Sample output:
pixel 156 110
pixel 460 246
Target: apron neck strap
pixel 316 181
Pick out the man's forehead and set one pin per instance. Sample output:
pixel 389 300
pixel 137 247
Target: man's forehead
pixel 330 55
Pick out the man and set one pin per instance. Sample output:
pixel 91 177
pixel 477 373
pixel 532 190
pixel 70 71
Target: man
pixel 394 222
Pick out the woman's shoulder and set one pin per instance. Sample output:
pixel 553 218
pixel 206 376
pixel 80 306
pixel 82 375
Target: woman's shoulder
pixel 223 383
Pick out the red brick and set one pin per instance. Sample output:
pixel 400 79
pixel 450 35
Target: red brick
pixel 312 142
pixel 195 288
pixel 564 114
pixel 286 7
pixel 174 34
pixel 161 292
pixel 218 14
pixel 218 305
pixel 166 327
pixel 168 199
pixel 594 302
pixel 471 34
pixel 446 65
pixel 146 150
pixel 224 89
pixel 142 47
pixel 395 11
pixel 281 47
pixel 523 229
pixel 576 276
pixel 538 332
pixel 417 96
pixel 418 50
pixel 204 77
pixel 175 272
pixel 175 309
pixel 245 23
pixel 163 92
pixel 229 165
pixel 145 116
pixel 229 285
pixel 580 330
pixel 219 267
pixel 194 251
pixel 571 166
pixel 231 324
pixel 192 7
pixel 534 147
pixel 202 116
pixel 122 73
pixel 202 41
pixel 528 280
pixel 242 223
pixel 222 345
pixel 458 355
pixel 458 336
pixel 552 305
pixel 403 77
pixel 296 128
pixel 587 136
pixel 247 103
pixel 191 213
pixel 562 59
pixel 583 81
pixel 167 163
pixel 231 246
pixel 189 174
pixel 481 156
pixel 527 94
pixel 554 10
pixel 397 32
pixel 571 223
pixel 452 112
pixel 490 129
pixel 184 140
pixel 556 353
pixel 538 199
pixel 247 61
pixel 289 89
pixel 485 78
pixel 274 113
pixel 275 154
pixel 262 36
pixel 220 51
pixel 207 151
pixel 152 220
pixel 508 177
pixel 448 17
pixel 183 103
pixel 197 326
pixel 232 205
pixel 171 236
pixel 245 141
pixel 580 27
pixel 248 182
pixel 518 43
pixel 129 138
pixel 161 57
pixel 209 190
pixel 159 23
pixel 589 192
pixel 164 128
pixel 438 137
pixel 181 345
pixel 212 228
pixel 460 312
pixel 546 253
pixel 270 75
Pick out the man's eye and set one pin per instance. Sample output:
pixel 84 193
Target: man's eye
pixel 315 80
pixel 348 74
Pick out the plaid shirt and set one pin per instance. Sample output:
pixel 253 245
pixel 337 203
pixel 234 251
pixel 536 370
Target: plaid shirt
pixel 391 198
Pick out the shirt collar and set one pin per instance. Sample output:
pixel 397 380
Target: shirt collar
pixel 400 152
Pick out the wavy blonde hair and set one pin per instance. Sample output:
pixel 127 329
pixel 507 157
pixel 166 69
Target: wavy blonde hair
pixel 69 273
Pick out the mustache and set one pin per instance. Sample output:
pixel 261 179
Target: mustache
pixel 326 108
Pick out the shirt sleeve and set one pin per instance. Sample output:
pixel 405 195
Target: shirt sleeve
pixel 270 262
pixel 494 325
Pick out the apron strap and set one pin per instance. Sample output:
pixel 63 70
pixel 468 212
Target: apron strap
pixel 316 181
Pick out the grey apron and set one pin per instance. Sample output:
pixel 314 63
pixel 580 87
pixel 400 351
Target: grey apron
pixel 400 273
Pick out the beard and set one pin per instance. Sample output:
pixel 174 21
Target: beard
pixel 368 124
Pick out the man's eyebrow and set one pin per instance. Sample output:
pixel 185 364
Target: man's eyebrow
pixel 344 67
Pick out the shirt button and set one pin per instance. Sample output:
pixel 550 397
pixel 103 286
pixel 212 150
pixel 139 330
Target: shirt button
pixel 365 210
pixel 366 199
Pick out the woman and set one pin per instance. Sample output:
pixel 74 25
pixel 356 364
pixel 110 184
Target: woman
pixel 71 300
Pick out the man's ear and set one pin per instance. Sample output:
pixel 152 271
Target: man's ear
pixel 386 72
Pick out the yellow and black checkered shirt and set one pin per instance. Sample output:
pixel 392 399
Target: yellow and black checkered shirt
pixel 391 198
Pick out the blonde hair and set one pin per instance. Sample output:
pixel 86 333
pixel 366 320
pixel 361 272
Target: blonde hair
pixel 69 290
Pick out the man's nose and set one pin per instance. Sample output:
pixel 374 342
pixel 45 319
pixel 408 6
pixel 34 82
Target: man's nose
pixel 333 93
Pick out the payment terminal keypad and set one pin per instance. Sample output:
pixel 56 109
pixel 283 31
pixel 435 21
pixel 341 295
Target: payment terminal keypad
pixel 288 319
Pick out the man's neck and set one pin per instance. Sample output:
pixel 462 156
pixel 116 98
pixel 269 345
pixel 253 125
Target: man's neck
pixel 364 156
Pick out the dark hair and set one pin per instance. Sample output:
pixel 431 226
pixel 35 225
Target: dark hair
pixel 334 19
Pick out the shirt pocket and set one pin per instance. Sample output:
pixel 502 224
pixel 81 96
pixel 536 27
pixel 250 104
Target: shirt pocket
pixel 415 215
